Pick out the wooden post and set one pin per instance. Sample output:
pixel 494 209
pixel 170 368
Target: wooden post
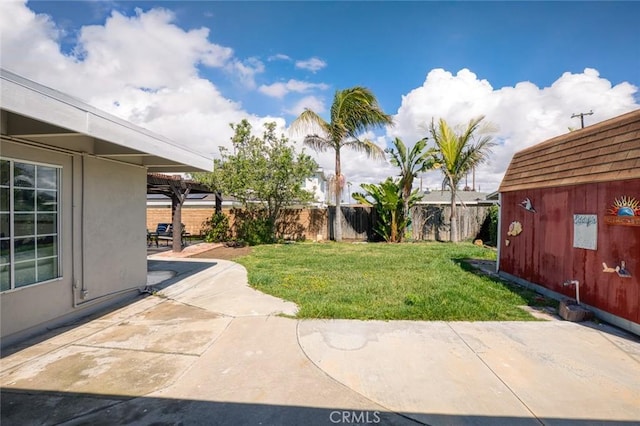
pixel 178 198
pixel 176 223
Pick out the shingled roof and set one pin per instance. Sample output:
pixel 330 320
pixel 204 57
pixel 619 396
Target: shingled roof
pixel 606 151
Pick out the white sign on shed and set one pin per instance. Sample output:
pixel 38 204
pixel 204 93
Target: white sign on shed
pixel 585 231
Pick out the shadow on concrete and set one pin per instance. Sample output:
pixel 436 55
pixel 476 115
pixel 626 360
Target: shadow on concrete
pixel 181 269
pixel 35 407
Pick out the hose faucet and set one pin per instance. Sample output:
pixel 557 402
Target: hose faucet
pixel 577 284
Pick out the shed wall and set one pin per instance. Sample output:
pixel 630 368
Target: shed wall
pixel 544 253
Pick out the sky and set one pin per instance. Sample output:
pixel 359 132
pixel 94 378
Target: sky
pixel 188 69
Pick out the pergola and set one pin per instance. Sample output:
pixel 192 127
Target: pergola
pixel 177 189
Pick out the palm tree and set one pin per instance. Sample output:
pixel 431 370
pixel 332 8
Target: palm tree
pixel 354 111
pixel 456 154
pixel 412 162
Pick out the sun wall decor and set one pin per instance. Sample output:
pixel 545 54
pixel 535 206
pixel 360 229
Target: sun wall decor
pixel 625 210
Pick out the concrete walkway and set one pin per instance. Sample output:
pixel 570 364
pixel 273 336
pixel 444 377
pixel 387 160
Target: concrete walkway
pixel 208 349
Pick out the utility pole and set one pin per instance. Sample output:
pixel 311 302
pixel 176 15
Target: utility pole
pixel 581 115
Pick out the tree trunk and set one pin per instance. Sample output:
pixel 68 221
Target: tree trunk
pixel 453 237
pixel 405 212
pixel 177 199
pixel 337 220
pixel 394 228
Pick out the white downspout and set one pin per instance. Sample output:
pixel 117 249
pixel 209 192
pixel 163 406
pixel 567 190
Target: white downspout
pixel 78 191
pixel 79 277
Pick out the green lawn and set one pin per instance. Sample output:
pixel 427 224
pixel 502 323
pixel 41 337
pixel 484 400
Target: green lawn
pixel 421 281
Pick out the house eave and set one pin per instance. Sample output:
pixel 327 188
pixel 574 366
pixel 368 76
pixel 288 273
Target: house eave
pixel 38 114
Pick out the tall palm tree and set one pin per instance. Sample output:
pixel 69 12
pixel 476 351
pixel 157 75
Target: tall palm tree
pixel 412 162
pixel 354 111
pixel 456 154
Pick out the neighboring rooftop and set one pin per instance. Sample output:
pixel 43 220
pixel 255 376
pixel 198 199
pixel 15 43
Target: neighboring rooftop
pixel 444 197
pixel 606 151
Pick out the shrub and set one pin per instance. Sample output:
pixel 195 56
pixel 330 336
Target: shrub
pixel 254 227
pixel 216 229
pixel 489 230
pixel 493 224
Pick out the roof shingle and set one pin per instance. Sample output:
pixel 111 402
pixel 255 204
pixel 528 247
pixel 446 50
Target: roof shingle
pixel 606 151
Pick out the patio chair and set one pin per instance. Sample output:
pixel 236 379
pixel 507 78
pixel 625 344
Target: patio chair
pixel 164 232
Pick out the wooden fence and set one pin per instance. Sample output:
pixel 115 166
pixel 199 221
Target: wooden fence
pixel 432 223
pixel 429 222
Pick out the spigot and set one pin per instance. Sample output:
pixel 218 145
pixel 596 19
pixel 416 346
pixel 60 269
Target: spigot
pixel 577 284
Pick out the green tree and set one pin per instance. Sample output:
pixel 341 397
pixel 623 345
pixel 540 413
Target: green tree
pixel 264 173
pixel 353 111
pixel 456 154
pixel 411 162
pixel 386 197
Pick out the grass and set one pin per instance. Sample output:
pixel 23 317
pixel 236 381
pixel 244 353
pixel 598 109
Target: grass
pixel 421 281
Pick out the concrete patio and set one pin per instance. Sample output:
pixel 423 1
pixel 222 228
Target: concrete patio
pixel 208 349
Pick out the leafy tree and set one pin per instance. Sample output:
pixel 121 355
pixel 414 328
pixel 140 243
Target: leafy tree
pixel 411 162
pixel 456 154
pixel 353 111
pixel 386 198
pixel 264 173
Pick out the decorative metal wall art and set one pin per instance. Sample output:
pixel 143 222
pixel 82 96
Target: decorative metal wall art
pixel 624 211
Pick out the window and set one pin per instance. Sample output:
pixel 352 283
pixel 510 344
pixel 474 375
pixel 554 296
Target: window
pixel 29 217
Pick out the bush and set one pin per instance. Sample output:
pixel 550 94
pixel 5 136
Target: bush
pixel 253 228
pixel 216 229
pixel 489 229
pixel 493 224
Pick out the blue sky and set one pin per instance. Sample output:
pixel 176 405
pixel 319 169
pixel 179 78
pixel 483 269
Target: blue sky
pixel 186 69
pixel 388 46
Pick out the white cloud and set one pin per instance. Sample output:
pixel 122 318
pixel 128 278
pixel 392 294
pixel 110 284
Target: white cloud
pixel 245 71
pixel 153 82
pixel 279 57
pixel 312 64
pixel 308 102
pixel 524 115
pixel 279 90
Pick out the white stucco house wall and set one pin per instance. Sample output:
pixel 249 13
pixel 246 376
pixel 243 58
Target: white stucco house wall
pixel 317 185
pixel 72 205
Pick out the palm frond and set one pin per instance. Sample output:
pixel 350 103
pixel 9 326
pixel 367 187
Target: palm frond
pixel 317 143
pixel 309 122
pixel 368 147
pixel 459 152
pixel 356 110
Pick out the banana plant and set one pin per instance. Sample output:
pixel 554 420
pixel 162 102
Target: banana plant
pixel 386 198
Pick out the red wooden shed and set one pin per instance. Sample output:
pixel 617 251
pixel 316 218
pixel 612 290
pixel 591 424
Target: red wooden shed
pixel 570 212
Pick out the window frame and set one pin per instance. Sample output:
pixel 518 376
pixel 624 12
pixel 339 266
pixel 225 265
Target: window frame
pixel 12 212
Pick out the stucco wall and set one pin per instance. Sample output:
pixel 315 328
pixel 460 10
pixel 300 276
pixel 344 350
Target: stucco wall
pixel 108 223
pixel 114 227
